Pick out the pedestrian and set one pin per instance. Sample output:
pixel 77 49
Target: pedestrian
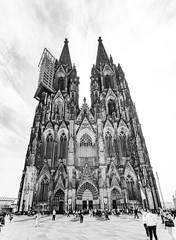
pixel 10 217
pixel 151 221
pixel 173 213
pixel 136 213
pixel 169 224
pixel 3 219
pixel 144 214
pixel 162 215
pixel 37 219
pixel 106 215
pixel 91 213
pixel 54 214
pixel 81 217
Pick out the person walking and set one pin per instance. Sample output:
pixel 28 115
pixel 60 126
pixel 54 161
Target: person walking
pixel 54 214
pixel 169 224
pixel 10 217
pixel 151 221
pixel 37 219
pixel 68 213
pixel 162 215
pixel 106 215
pixel 91 213
pixel 136 213
pixel 81 217
pixel 144 214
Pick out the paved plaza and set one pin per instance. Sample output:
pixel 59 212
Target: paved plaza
pixel 123 227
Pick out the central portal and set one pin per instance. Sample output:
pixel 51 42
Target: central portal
pixel 87 200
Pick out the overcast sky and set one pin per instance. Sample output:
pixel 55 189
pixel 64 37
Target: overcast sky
pixel 140 35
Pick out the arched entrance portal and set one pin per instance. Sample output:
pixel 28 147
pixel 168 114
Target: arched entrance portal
pixel 58 201
pixel 87 197
pixel 87 200
pixel 115 198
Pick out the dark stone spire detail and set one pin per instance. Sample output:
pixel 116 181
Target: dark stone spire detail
pixel 102 57
pixel 65 59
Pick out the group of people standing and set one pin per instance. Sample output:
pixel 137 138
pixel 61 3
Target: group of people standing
pixel 149 219
pixel 150 223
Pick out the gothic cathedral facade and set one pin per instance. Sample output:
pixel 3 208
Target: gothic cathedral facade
pixel 85 157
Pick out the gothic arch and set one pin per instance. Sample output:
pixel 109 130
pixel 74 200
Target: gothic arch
pixel 49 146
pixel 113 171
pixel 108 128
pixel 59 188
pixel 85 140
pixel 89 186
pixel 108 144
pixel 131 187
pixel 122 127
pixel 44 172
pixel 59 75
pixel 63 130
pixel 111 106
pixel 108 141
pixel 59 106
pixel 63 144
pixel 44 188
pixel 116 192
pixel 129 171
pixel 115 196
pixel 58 200
pixel 46 132
pixel 88 132
pixel 107 81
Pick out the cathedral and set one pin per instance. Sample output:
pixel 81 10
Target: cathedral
pixel 85 157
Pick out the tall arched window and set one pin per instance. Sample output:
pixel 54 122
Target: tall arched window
pixel 43 197
pixel 123 143
pixel 56 84
pixel 63 146
pixel 61 83
pixel 130 188
pixel 85 140
pixel 108 144
pixel 111 107
pixel 49 146
pixel 107 81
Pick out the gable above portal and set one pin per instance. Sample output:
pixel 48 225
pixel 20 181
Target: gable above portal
pixel 107 70
pixel 129 171
pixel 85 111
pixel 110 95
pixel 58 95
pixel 86 128
pixel 60 72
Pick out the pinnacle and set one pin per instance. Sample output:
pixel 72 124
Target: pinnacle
pixel 66 41
pixel 65 59
pixel 99 39
pixel 102 57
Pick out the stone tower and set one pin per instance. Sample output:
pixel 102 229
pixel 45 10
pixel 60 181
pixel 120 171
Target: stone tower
pixel 85 157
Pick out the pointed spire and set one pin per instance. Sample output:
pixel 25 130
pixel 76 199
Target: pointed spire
pixel 102 57
pixel 65 59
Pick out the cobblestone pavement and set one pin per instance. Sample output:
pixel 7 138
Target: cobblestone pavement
pixel 122 228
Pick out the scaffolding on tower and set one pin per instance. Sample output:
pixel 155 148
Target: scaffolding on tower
pixel 46 65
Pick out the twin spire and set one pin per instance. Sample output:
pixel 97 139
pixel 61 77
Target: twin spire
pixel 102 57
pixel 65 59
pixel 101 60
